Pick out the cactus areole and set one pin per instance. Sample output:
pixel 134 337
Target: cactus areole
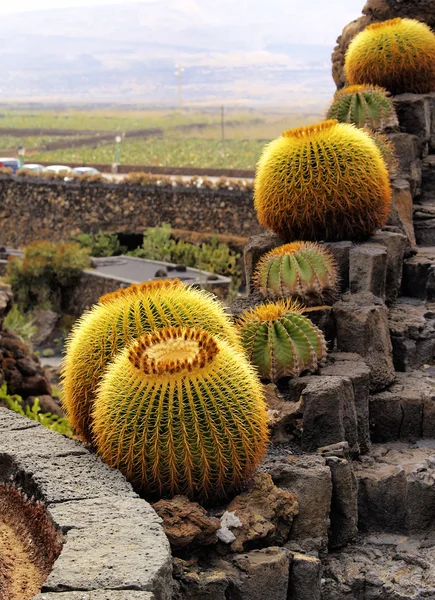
pixel 181 412
pixel 323 182
pixel 398 55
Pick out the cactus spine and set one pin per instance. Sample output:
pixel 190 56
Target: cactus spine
pixel 398 55
pixel 323 182
pixel 303 270
pixel 181 412
pixel 120 318
pixel 364 106
pixel 280 341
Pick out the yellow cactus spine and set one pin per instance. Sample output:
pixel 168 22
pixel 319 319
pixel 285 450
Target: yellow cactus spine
pixel 364 106
pixel 120 318
pixel 303 270
pixel 181 412
pixel 280 341
pixel 398 55
pixel 323 182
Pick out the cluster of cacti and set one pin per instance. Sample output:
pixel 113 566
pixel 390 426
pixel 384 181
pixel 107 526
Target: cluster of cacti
pixel 181 412
pixel 363 106
pixel 303 270
pixel 398 55
pixel 323 182
pixel 119 319
pixel 280 341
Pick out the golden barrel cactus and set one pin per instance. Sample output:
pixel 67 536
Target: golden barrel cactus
pixel 398 55
pixel 303 270
pixel 280 341
pixel 118 319
pixel 364 106
pixel 323 182
pixel 181 412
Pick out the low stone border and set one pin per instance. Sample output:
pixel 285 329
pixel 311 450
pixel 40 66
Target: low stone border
pixel 114 541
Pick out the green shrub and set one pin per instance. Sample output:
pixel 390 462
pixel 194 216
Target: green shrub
pixel 45 270
pixel 49 420
pixel 100 244
pixel 48 352
pixel 22 324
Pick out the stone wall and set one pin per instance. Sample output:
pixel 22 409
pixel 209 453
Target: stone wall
pixel 56 210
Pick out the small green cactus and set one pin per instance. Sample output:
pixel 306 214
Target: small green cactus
pixel 181 411
pixel 364 106
pixel 302 270
pixel 280 341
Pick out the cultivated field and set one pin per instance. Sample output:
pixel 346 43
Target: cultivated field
pixel 191 137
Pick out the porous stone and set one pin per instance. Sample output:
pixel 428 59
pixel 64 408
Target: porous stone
pixel 96 595
pixel 368 269
pixel 424 224
pixel 45 322
pixel 186 523
pixel 419 275
pixel 309 478
pixel 408 149
pixel 285 417
pixel 401 213
pixel 362 327
pixel 405 411
pixel 395 245
pixel 266 512
pixel 263 574
pixel 341 253
pixel 414 113
pixel 354 367
pixel 305 574
pixel 412 328
pixel 344 506
pixel 427 194
pixel 381 10
pixel 257 246
pixel 329 413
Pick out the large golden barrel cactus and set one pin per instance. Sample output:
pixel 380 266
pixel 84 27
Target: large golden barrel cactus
pixel 323 182
pixel 280 341
pixel 120 318
pixel 302 270
pixel 364 106
pixel 398 55
pixel 181 412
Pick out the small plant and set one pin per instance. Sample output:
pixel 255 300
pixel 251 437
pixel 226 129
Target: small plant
pixel 140 178
pixel 398 55
pixel 48 352
pixel 280 341
pixel 303 270
pixel 323 182
pixel 45 270
pixel 364 106
pixel 49 420
pixel 6 171
pixel 181 412
pixel 387 149
pixel 22 324
pixel 100 244
pixel 120 318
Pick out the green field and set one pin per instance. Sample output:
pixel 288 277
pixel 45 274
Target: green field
pixel 188 138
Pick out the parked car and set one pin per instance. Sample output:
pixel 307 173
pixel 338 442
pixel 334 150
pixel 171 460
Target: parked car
pixel 85 171
pixel 11 163
pixel 57 169
pixel 34 167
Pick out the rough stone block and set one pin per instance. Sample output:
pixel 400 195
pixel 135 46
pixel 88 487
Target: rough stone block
pixel 329 413
pixel 414 113
pixel 362 327
pixel 401 214
pixel 368 269
pixel 254 250
pixel 341 253
pixel 285 416
pixel 424 224
pixel 310 479
pixel 408 149
pixel 418 279
pixel 352 366
pixel 96 595
pixel 344 505
pixel 405 411
pixel 412 329
pixel 305 577
pixel 30 441
pixel 427 194
pixel 395 245
pixel 264 574
pixel 323 317
pixel 10 421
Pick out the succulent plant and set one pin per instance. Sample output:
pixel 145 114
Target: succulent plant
pixel 364 106
pixel 181 411
pixel 387 149
pixel 303 270
pixel 118 319
pixel 323 182
pixel 280 341
pixel 398 55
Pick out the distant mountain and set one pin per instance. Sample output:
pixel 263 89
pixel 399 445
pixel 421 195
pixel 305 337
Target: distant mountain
pixel 129 52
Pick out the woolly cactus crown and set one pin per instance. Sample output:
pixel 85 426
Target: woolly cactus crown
pixel 181 412
pixel 323 182
pixel 398 54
